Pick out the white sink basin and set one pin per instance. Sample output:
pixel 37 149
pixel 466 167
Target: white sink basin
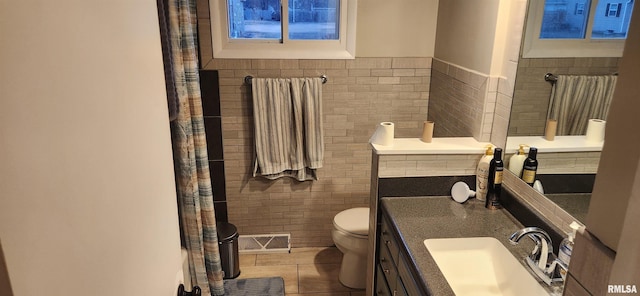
pixel 481 266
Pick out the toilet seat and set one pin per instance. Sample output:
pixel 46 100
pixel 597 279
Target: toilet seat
pixel 354 222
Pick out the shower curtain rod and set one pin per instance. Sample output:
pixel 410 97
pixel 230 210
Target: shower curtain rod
pixel 248 78
pixel 549 77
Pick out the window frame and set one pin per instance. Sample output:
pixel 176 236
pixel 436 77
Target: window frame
pixel 534 47
pixel 227 48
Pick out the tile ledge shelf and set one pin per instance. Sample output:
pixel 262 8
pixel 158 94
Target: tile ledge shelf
pixel 559 144
pixel 457 145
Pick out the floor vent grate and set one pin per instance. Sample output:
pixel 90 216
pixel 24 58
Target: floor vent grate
pixel 264 243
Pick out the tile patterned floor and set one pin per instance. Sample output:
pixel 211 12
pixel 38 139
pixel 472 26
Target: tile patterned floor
pixel 306 271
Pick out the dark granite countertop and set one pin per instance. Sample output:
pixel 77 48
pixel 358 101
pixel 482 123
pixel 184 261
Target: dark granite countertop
pixel 420 218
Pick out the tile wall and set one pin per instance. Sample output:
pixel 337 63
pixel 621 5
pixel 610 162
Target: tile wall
pixel 568 163
pixel 502 112
pixel 210 92
pixel 359 94
pixel 462 102
pixel 532 92
pixel 457 104
pixel 427 165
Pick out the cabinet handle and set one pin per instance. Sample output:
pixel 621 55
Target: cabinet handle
pixel 386 271
pixel 388 243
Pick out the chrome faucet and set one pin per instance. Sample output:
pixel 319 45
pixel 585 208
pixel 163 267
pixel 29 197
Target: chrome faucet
pixel 542 261
pixel 543 249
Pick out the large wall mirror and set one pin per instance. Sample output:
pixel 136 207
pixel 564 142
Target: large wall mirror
pixel 568 164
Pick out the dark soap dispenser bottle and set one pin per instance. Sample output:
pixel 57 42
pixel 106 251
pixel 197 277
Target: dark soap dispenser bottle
pixel 530 167
pixel 496 167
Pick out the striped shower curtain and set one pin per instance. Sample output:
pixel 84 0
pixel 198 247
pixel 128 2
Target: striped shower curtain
pixel 193 182
pixel 577 98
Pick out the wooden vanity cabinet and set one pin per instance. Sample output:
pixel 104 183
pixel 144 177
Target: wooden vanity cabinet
pixel 392 272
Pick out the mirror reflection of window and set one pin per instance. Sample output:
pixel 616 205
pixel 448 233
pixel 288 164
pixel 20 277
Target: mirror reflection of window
pixel 569 19
pixel 612 20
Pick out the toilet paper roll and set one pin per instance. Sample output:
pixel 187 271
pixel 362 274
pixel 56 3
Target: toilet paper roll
pixel 383 134
pixel 595 130
pixel 427 131
pixel 550 130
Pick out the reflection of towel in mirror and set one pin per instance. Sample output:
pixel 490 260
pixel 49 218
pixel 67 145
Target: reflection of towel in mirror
pixel 577 98
pixel 288 127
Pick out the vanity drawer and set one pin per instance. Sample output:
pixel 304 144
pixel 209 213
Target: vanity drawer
pixel 387 239
pixel 382 289
pixel 400 290
pixel 406 279
pixel 388 267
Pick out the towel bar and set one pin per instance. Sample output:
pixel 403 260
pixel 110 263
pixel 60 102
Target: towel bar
pixel 551 78
pixel 248 78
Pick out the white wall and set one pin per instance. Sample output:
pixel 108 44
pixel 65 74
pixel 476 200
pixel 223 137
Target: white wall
pixel 466 33
pixel 405 28
pixel 87 194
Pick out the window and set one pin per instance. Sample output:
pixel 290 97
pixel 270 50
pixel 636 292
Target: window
pixel 558 23
pixel 576 28
pixel 611 20
pixel 318 29
pixel 613 9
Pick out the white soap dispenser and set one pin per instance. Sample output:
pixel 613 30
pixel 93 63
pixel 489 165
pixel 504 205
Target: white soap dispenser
pixel 566 246
pixel 482 174
pixel 517 161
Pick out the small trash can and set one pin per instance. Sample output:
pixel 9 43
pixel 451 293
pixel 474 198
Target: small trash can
pixel 228 245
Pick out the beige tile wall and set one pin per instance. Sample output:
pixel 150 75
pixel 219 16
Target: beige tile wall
pixel 428 165
pixel 529 112
pixel 566 162
pixel 359 94
pixel 502 112
pixel 462 102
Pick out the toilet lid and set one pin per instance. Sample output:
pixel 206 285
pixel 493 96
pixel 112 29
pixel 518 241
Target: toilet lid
pixel 354 221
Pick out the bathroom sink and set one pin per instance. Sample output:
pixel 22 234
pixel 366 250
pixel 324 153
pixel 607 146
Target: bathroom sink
pixel 481 266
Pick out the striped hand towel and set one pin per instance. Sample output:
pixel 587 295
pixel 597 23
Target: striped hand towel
pixel 288 127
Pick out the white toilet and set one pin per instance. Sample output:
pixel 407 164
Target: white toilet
pixel 351 236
